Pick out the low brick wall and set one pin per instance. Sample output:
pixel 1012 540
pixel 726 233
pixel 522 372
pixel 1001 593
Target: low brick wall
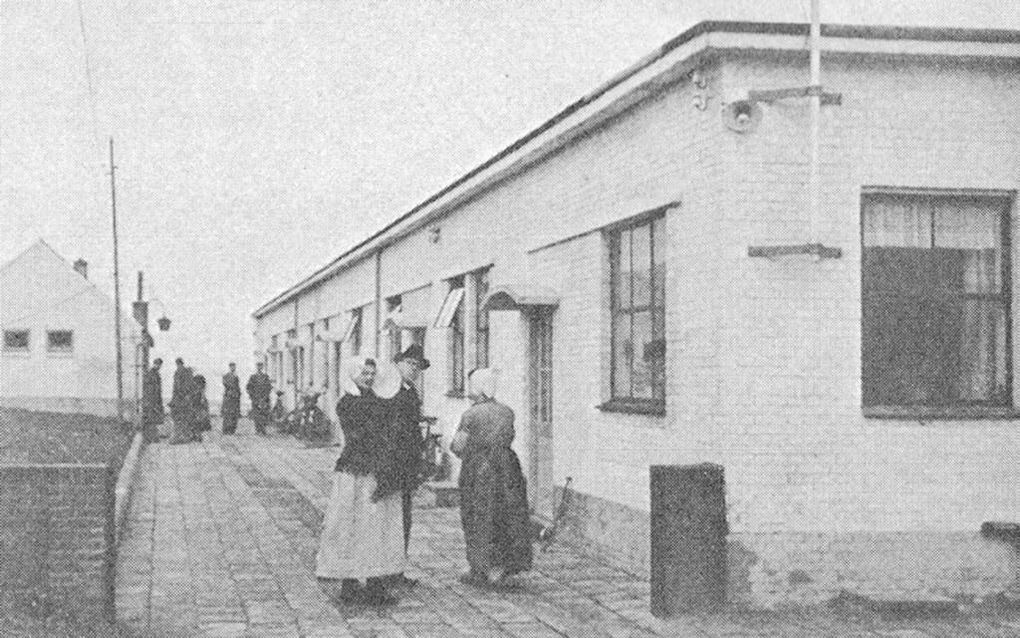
pixel 57 540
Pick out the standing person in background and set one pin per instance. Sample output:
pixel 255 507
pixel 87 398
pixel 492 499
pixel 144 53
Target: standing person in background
pixel 493 492
pixel 230 410
pixel 181 404
pixel 409 443
pixel 259 389
pixel 200 408
pixel 152 400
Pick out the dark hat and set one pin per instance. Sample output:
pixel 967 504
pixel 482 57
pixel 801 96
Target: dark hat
pixel 415 353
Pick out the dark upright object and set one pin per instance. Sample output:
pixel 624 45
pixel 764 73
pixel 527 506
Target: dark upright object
pixel 259 388
pixel 152 398
pixel 688 538
pixel 231 408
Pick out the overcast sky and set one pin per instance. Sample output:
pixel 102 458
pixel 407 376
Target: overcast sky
pixel 257 139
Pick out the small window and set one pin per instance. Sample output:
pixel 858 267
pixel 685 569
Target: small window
pixel 638 311
pixel 60 341
pixel 15 340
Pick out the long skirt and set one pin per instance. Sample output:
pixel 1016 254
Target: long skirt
pixel 494 512
pixel 360 539
pixel 183 426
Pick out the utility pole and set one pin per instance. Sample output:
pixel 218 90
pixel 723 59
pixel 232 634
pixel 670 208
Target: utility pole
pixel 116 287
pixel 814 188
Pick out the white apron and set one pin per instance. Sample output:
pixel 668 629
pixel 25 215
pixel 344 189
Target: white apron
pixel 360 539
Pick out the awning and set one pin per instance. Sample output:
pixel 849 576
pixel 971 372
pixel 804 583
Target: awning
pixel 450 305
pixel 519 297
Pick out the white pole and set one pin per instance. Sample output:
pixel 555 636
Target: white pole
pixel 816 108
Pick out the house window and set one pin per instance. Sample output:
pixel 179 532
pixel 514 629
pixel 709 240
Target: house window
pixel 638 310
pixel 393 309
pixel 16 341
pixel 935 295
pixel 60 341
pixel 451 315
pixel 481 281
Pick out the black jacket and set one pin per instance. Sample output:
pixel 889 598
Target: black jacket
pixel 401 464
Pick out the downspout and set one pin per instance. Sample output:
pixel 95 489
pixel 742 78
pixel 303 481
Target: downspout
pixel 378 301
pixel 814 186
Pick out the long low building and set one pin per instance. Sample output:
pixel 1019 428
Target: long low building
pixel 666 273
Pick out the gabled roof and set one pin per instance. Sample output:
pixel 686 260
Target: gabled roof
pixel 701 38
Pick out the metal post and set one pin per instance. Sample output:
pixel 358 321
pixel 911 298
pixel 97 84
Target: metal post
pixel 116 287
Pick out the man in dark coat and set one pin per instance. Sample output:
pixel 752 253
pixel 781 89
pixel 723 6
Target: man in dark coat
pixel 259 389
pixel 230 410
pixel 152 400
pixel 408 444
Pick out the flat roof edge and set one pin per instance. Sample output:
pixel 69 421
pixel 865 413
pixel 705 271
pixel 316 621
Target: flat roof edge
pixel 870 32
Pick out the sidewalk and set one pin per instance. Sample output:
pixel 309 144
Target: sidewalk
pixel 221 540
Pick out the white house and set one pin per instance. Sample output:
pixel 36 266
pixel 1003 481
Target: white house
pixel 59 349
pixel 655 279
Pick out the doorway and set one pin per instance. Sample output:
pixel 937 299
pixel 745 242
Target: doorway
pixel 540 393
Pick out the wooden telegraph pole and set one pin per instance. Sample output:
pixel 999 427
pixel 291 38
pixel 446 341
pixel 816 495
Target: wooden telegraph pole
pixel 116 287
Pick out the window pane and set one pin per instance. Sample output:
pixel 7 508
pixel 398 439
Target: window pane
pixel 982 374
pixel 642 266
pixel 16 339
pixel 645 355
pixel 623 270
pixel 911 351
pixel 897 221
pixel 622 355
pixel 975 230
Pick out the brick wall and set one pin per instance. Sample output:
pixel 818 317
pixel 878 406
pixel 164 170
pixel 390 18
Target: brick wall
pixel 57 541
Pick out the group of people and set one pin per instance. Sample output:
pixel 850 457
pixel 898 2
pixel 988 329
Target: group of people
pixel 367 528
pixel 366 532
pixel 189 406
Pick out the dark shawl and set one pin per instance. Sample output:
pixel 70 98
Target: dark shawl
pixel 401 471
pixel 361 419
pixel 152 397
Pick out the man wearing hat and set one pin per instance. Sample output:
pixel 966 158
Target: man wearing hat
pixel 406 406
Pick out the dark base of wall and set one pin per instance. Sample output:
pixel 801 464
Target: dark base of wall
pixel 803 569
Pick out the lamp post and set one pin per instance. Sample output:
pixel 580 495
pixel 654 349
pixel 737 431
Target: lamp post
pixel 141 314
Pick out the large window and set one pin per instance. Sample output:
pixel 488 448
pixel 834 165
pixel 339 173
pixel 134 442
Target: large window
pixel 935 293
pixel 355 330
pixel 638 310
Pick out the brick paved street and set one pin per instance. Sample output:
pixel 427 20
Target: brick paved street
pixel 221 541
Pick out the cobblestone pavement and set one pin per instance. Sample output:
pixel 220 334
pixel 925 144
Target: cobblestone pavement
pixel 221 541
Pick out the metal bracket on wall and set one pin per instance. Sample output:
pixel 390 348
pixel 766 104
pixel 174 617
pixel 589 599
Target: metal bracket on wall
pixel 772 95
pixel 818 250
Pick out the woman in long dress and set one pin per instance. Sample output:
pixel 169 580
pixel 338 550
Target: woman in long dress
pixel 361 539
pixel 493 492
pixel 182 406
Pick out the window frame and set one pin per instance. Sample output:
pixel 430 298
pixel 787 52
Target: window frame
pixel 613 234
pixel 458 340
pixel 1005 201
pixel 50 349
pixel 17 349
pixel 482 285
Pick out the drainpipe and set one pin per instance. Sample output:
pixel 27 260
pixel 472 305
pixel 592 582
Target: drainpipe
pixel 816 108
pixel 378 302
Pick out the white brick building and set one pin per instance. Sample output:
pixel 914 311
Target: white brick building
pixel 59 349
pixel 861 405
